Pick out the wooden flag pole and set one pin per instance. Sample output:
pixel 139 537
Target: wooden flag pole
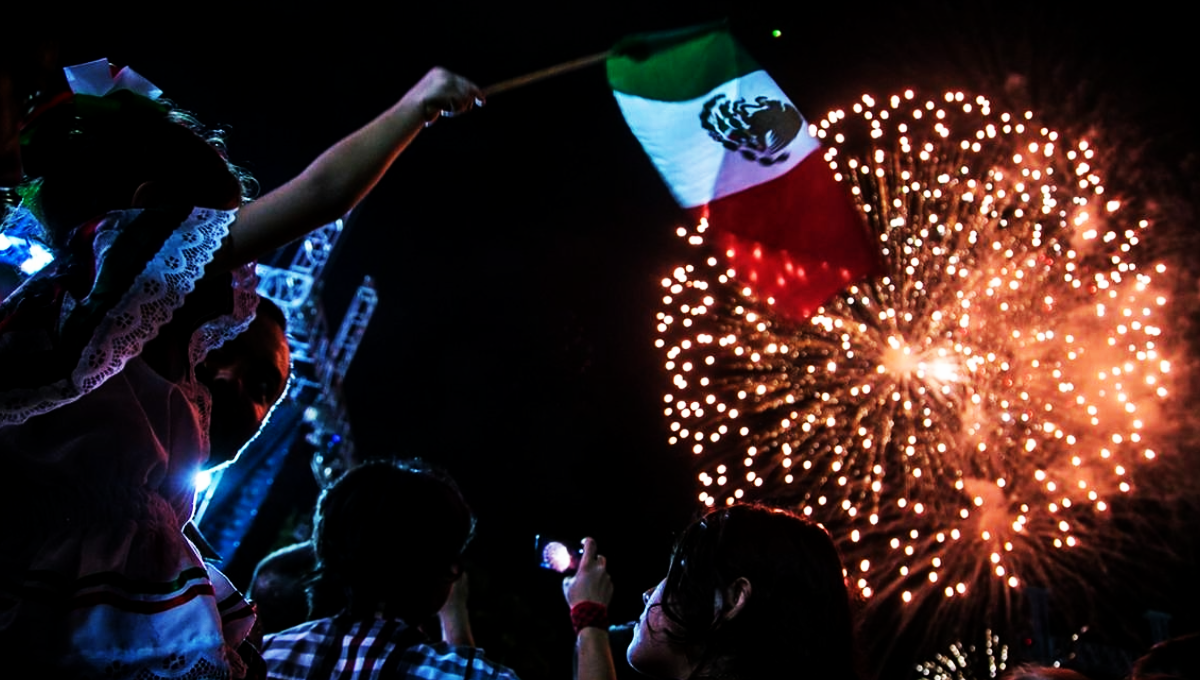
pixel 543 74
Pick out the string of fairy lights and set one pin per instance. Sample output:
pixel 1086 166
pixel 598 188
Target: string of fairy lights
pixel 976 406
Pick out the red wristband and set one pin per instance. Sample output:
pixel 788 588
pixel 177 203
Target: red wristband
pixel 589 614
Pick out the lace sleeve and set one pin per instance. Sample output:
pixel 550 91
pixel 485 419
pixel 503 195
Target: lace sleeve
pixel 76 324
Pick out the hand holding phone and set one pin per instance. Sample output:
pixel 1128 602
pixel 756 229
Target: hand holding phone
pixel 591 583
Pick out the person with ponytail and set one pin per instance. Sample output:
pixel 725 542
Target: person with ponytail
pixel 752 593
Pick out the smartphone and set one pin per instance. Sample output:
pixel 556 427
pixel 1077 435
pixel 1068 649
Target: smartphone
pixel 556 555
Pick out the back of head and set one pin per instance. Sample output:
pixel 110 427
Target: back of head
pixel 277 587
pixel 1033 672
pixel 796 621
pixel 91 155
pixel 389 534
pixel 1174 659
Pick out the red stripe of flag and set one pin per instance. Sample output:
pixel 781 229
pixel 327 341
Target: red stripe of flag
pixel 797 238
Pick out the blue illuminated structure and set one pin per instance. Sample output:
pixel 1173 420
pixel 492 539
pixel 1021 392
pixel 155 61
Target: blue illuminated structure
pixel 311 419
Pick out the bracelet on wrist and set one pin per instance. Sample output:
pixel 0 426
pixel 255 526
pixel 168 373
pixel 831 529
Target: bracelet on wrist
pixel 589 614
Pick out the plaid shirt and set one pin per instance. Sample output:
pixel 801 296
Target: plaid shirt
pixel 380 649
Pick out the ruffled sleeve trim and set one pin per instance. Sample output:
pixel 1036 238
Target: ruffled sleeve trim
pixel 138 314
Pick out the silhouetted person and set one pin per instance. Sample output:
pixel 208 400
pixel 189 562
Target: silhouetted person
pixel 389 536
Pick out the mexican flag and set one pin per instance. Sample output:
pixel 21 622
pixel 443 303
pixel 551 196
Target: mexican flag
pixel 734 150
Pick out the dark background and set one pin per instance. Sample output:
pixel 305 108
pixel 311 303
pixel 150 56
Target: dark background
pixel 517 250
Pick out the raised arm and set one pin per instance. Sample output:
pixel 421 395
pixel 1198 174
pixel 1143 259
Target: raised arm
pixel 591 589
pixel 342 176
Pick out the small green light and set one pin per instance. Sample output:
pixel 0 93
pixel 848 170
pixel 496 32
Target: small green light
pixel 776 33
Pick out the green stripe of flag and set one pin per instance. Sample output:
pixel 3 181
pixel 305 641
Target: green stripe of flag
pixel 677 65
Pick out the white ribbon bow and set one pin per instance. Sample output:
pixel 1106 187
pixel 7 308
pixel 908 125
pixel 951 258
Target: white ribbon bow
pixel 95 78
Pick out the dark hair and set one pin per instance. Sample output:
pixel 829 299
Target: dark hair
pixel 278 584
pixel 392 532
pixel 1174 659
pixel 797 618
pixel 1036 672
pixel 269 309
pixel 86 156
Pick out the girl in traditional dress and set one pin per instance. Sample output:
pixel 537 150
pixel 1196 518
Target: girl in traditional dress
pixel 102 421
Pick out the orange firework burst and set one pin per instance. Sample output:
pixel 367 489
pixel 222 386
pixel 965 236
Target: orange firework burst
pixel 971 412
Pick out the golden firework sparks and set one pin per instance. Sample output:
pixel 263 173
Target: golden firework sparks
pixel 976 405
pixel 968 662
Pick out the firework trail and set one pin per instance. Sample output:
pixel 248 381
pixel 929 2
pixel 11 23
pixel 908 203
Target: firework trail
pixel 967 418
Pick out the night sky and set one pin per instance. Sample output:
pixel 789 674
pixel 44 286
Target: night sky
pixel 517 250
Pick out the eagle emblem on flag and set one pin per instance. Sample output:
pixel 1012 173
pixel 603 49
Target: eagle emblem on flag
pixel 759 130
